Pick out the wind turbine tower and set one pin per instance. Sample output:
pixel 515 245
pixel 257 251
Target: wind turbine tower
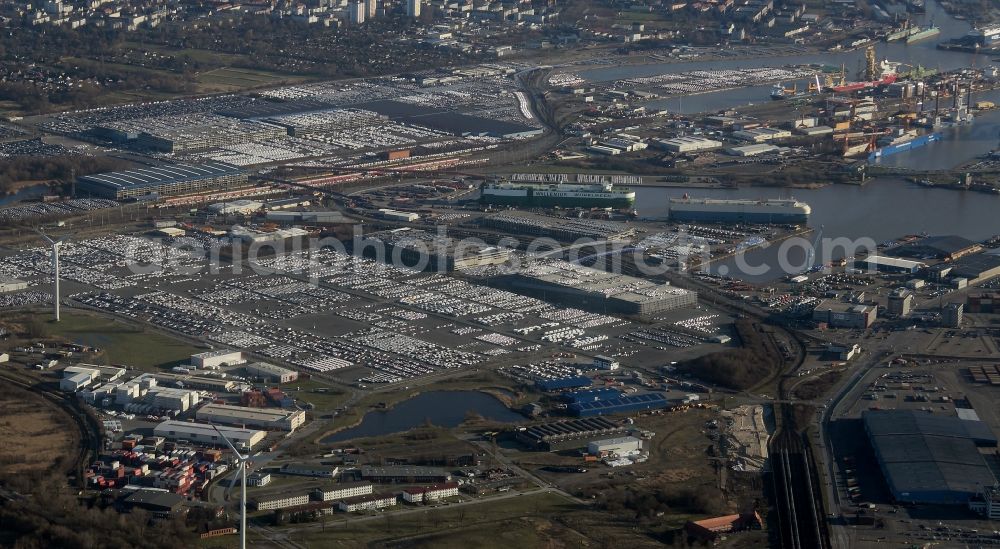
pixel 55 244
pixel 241 460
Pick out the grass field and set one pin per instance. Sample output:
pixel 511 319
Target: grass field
pixel 325 402
pixel 484 525
pixel 201 56
pixel 10 108
pixel 123 344
pixel 233 79
pixel 514 520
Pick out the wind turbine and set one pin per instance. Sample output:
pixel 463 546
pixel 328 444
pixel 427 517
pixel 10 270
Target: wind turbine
pixel 241 460
pixel 55 244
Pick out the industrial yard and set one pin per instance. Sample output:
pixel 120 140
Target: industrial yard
pixel 553 274
pixel 297 350
pixel 942 401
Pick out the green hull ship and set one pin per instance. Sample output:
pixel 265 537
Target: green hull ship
pixel 550 195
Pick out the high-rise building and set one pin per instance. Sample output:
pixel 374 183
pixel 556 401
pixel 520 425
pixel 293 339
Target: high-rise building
pixel 952 315
pixel 371 8
pixel 357 12
pixel 413 8
pixel 900 302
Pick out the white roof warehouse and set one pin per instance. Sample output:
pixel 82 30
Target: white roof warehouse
pixel 206 434
pixel 264 418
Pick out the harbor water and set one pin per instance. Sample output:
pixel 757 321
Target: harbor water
pixel 958 145
pixel 440 408
pixel 882 210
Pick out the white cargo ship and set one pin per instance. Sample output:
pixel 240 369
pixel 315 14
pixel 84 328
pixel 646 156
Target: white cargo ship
pixel 711 210
pixel 566 195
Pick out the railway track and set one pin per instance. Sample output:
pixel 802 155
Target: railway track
pixel 796 495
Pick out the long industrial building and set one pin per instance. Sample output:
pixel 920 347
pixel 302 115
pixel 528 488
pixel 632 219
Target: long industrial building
pixel 888 264
pixel 264 418
pixel 569 434
pixel 12 285
pixel 167 179
pixel 623 404
pixel 838 314
pixel 404 473
pixel 192 132
pixel 597 290
pixel 688 143
pixel 330 120
pixel 928 458
pixel 278 501
pixel 207 434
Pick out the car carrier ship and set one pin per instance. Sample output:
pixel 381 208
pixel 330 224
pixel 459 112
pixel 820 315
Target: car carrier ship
pixel 559 194
pixel 711 210
pixel 982 39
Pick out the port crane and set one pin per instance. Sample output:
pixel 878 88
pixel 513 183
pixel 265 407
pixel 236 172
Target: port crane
pixel 814 85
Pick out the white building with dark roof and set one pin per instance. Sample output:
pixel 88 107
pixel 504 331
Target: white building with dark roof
pixel 272 373
pixel 217 358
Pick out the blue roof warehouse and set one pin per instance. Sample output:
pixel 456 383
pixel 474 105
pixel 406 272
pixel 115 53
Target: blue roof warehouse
pixel 928 458
pixel 620 405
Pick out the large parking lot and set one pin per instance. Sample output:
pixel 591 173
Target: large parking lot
pixel 331 124
pixel 329 311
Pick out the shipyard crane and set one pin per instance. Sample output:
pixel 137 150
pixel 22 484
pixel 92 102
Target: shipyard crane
pixel 811 257
pixel 869 144
pixel 815 86
pixel 842 80
pixel 871 65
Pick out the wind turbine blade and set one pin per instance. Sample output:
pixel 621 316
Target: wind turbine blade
pixel 236 477
pixel 239 456
pixel 45 236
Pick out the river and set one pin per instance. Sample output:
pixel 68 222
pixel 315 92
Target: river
pixel 32 191
pixel 923 53
pixel 882 210
pixel 441 408
pixel 958 147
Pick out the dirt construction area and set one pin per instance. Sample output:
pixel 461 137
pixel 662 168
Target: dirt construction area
pixel 38 439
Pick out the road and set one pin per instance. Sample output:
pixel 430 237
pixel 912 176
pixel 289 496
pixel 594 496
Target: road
pixel 840 535
pixel 523 473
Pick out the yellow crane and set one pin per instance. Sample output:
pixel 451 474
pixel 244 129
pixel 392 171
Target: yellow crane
pixel 871 66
